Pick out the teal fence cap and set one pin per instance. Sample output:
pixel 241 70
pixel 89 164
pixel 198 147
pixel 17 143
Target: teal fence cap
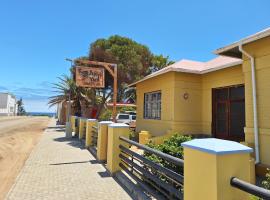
pixel 217 146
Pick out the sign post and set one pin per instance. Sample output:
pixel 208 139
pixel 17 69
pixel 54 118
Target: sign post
pixel 90 77
pixel 94 77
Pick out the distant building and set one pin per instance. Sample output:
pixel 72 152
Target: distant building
pixel 8 104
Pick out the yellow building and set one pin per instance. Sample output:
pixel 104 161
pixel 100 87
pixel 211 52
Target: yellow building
pixel 223 98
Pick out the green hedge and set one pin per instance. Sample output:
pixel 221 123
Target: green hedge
pixel 171 146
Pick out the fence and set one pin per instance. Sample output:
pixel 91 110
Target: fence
pixel 94 135
pixel 166 181
pixel 250 188
pixel 210 167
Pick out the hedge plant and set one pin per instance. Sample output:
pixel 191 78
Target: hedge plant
pixel 171 146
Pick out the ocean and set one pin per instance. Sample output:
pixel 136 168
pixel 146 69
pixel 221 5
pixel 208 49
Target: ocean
pixel 49 114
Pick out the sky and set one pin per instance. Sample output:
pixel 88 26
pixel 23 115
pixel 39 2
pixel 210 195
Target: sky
pixel 37 35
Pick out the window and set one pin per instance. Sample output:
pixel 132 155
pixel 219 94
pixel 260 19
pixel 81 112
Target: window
pixel 123 116
pixel 152 105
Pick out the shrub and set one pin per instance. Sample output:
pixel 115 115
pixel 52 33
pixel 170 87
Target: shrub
pixel 266 182
pixel 171 146
pixel 133 135
pixel 127 108
pixel 105 115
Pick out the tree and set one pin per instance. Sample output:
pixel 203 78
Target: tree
pixel 83 100
pixel 159 62
pixel 134 60
pixel 21 110
pixel 65 87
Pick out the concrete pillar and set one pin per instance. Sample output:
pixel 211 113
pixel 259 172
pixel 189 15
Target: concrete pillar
pixel 89 128
pixel 144 137
pixel 102 140
pixel 209 165
pixel 77 125
pixel 115 130
pixel 72 121
pixel 82 127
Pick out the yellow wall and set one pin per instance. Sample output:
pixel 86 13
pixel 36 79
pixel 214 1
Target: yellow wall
pixel 188 116
pixel 221 78
pixel 194 115
pixel 260 49
pixel 210 174
pixel 187 112
pixel 164 83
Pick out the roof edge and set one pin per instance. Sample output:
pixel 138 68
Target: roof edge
pixel 188 71
pixel 259 35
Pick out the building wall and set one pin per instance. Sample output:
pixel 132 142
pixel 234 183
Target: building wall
pixel 260 49
pixel 217 79
pixel 164 83
pixel 187 103
pixel 7 105
pixel 3 100
pixel 191 115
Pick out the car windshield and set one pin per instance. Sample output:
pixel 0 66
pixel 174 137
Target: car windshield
pixel 123 116
pixel 133 117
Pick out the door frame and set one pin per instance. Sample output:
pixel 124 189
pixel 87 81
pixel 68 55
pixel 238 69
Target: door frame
pixel 213 127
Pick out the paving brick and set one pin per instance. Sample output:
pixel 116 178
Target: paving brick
pixel 60 168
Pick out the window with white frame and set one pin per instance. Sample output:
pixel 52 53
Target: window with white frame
pixel 152 105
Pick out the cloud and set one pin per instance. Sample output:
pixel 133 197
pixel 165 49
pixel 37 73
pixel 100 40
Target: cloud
pixel 32 105
pixel 33 93
pixel 45 84
pixel 35 98
pixel 3 89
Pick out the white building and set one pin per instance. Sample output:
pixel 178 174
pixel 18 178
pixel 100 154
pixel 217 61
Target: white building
pixel 8 104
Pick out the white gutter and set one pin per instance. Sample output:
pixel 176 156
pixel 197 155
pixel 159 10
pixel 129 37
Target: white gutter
pixel 254 94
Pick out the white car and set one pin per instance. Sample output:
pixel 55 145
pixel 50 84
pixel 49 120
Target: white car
pixel 125 118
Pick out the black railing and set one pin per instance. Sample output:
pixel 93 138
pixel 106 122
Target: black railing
pixel 169 158
pixel 250 188
pixel 94 135
pixel 159 178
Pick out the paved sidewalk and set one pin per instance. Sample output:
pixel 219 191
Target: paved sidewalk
pixel 60 168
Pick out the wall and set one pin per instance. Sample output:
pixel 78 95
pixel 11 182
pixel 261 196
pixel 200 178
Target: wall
pixel 187 112
pixel 3 100
pixel 7 105
pixel 165 83
pixel 260 49
pixel 221 78
pixel 188 116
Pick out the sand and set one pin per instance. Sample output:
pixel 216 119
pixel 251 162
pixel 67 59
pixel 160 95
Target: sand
pixel 18 136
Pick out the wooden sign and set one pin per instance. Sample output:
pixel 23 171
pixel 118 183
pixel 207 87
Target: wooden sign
pixel 91 77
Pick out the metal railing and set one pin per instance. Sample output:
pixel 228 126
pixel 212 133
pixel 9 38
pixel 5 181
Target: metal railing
pixel 250 188
pixel 94 135
pixel 159 178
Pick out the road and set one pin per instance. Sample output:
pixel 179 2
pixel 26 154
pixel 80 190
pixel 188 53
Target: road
pixel 18 136
pixel 12 125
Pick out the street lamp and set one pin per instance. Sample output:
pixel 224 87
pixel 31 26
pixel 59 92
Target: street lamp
pixel 68 125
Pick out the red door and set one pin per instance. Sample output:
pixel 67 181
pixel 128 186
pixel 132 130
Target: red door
pixel 229 113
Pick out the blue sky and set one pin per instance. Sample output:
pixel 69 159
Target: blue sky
pixel 37 35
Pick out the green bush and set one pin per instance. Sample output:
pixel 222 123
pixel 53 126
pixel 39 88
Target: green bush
pixel 266 182
pixel 105 115
pixel 171 146
pixel 127 108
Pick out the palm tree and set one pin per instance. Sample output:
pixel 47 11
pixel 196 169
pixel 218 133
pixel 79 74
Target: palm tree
pixel 84 100
pixel 65 87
